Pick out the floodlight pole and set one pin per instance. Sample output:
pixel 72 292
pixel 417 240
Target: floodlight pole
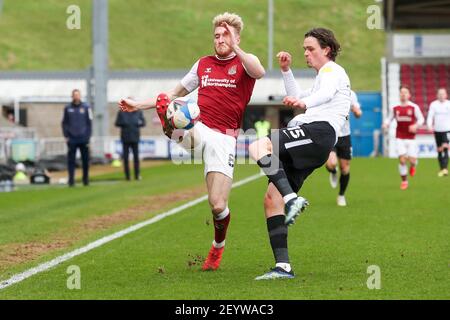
pixel 270 35
pixel 100 67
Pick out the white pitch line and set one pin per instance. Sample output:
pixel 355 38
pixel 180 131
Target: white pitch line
pixel 52 263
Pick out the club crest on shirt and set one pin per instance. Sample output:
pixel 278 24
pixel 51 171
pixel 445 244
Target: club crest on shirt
pixel 81 110
pixel 207 70
pixel 409 112
pixel 232 70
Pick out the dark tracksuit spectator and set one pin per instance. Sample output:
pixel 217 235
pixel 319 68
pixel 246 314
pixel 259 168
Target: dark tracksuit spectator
pixel 77 129
pixel 130 124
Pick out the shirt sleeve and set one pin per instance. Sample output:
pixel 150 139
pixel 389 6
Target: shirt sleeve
pixel 190 80
pixel 329 84
pixel 291 86
pixel 390 116
pixel 419 115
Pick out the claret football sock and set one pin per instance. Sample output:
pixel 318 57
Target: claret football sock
pixel 221 222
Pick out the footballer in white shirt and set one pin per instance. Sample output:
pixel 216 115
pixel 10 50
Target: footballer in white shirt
pixel 289 155
pixel 342 153
pixel 438 120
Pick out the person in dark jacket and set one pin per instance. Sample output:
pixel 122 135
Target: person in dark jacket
pixel 77 129
pixel 130 124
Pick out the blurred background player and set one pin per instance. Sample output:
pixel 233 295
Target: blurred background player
pixel 342 152
pixel 262 127
pixel 408 117
pixel 221 112
pixel 289 155
pixel 130 124
pixel 77 129
pixel 438 120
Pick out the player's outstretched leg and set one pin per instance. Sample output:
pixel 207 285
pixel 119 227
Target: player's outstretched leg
pixel 270 164
pixel 162 103
pixel 219 186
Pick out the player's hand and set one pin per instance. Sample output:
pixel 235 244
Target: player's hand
pixel 357 113
pixel 284 60
pixel 413 128
pixel 231 40
pixel 128 105
pixel 293 102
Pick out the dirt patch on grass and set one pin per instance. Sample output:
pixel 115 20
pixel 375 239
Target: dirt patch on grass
pixel 148 205
pixel 17 253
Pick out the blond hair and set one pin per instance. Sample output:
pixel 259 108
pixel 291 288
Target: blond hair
pixel 231 19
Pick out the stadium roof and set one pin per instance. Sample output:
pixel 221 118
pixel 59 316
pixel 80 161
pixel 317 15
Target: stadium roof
pixel 417 14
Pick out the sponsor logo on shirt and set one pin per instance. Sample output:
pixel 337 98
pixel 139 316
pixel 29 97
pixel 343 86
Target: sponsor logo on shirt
pixel 206 81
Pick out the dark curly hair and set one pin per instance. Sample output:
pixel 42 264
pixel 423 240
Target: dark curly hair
pixel 326 39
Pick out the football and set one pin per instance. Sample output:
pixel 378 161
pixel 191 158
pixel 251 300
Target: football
pixel 183 113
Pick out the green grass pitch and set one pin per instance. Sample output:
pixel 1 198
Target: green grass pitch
pixel 404 233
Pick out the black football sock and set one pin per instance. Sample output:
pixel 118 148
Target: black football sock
pixel 440 159
pixel 333 171
pixel 343 183
pixel 445 159
pixel 278 232
pixel 276 174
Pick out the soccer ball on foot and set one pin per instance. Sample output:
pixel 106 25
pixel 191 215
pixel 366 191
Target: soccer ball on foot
pixel 183 113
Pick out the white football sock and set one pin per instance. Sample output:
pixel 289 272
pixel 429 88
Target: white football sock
pixel 284 266
pixel 403 169
pixel 222 215
pixel 218 245
pixel 289 196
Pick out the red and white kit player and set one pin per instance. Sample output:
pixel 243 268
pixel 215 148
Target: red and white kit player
pixel 408 117
pixel 225 84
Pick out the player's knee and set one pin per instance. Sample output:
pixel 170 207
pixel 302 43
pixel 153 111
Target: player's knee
pixel 259 148
pixel 345 168
pixel 253 149
pixel 217 204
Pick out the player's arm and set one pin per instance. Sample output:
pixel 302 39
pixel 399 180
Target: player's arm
pixel 329 85
pixel 251 63
pixel 419 119
pixel 389 119
pixel 419 116
pixel 188 84
pixel 290 84
pixel 430 117
pixel 130 105
pixel 356 107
